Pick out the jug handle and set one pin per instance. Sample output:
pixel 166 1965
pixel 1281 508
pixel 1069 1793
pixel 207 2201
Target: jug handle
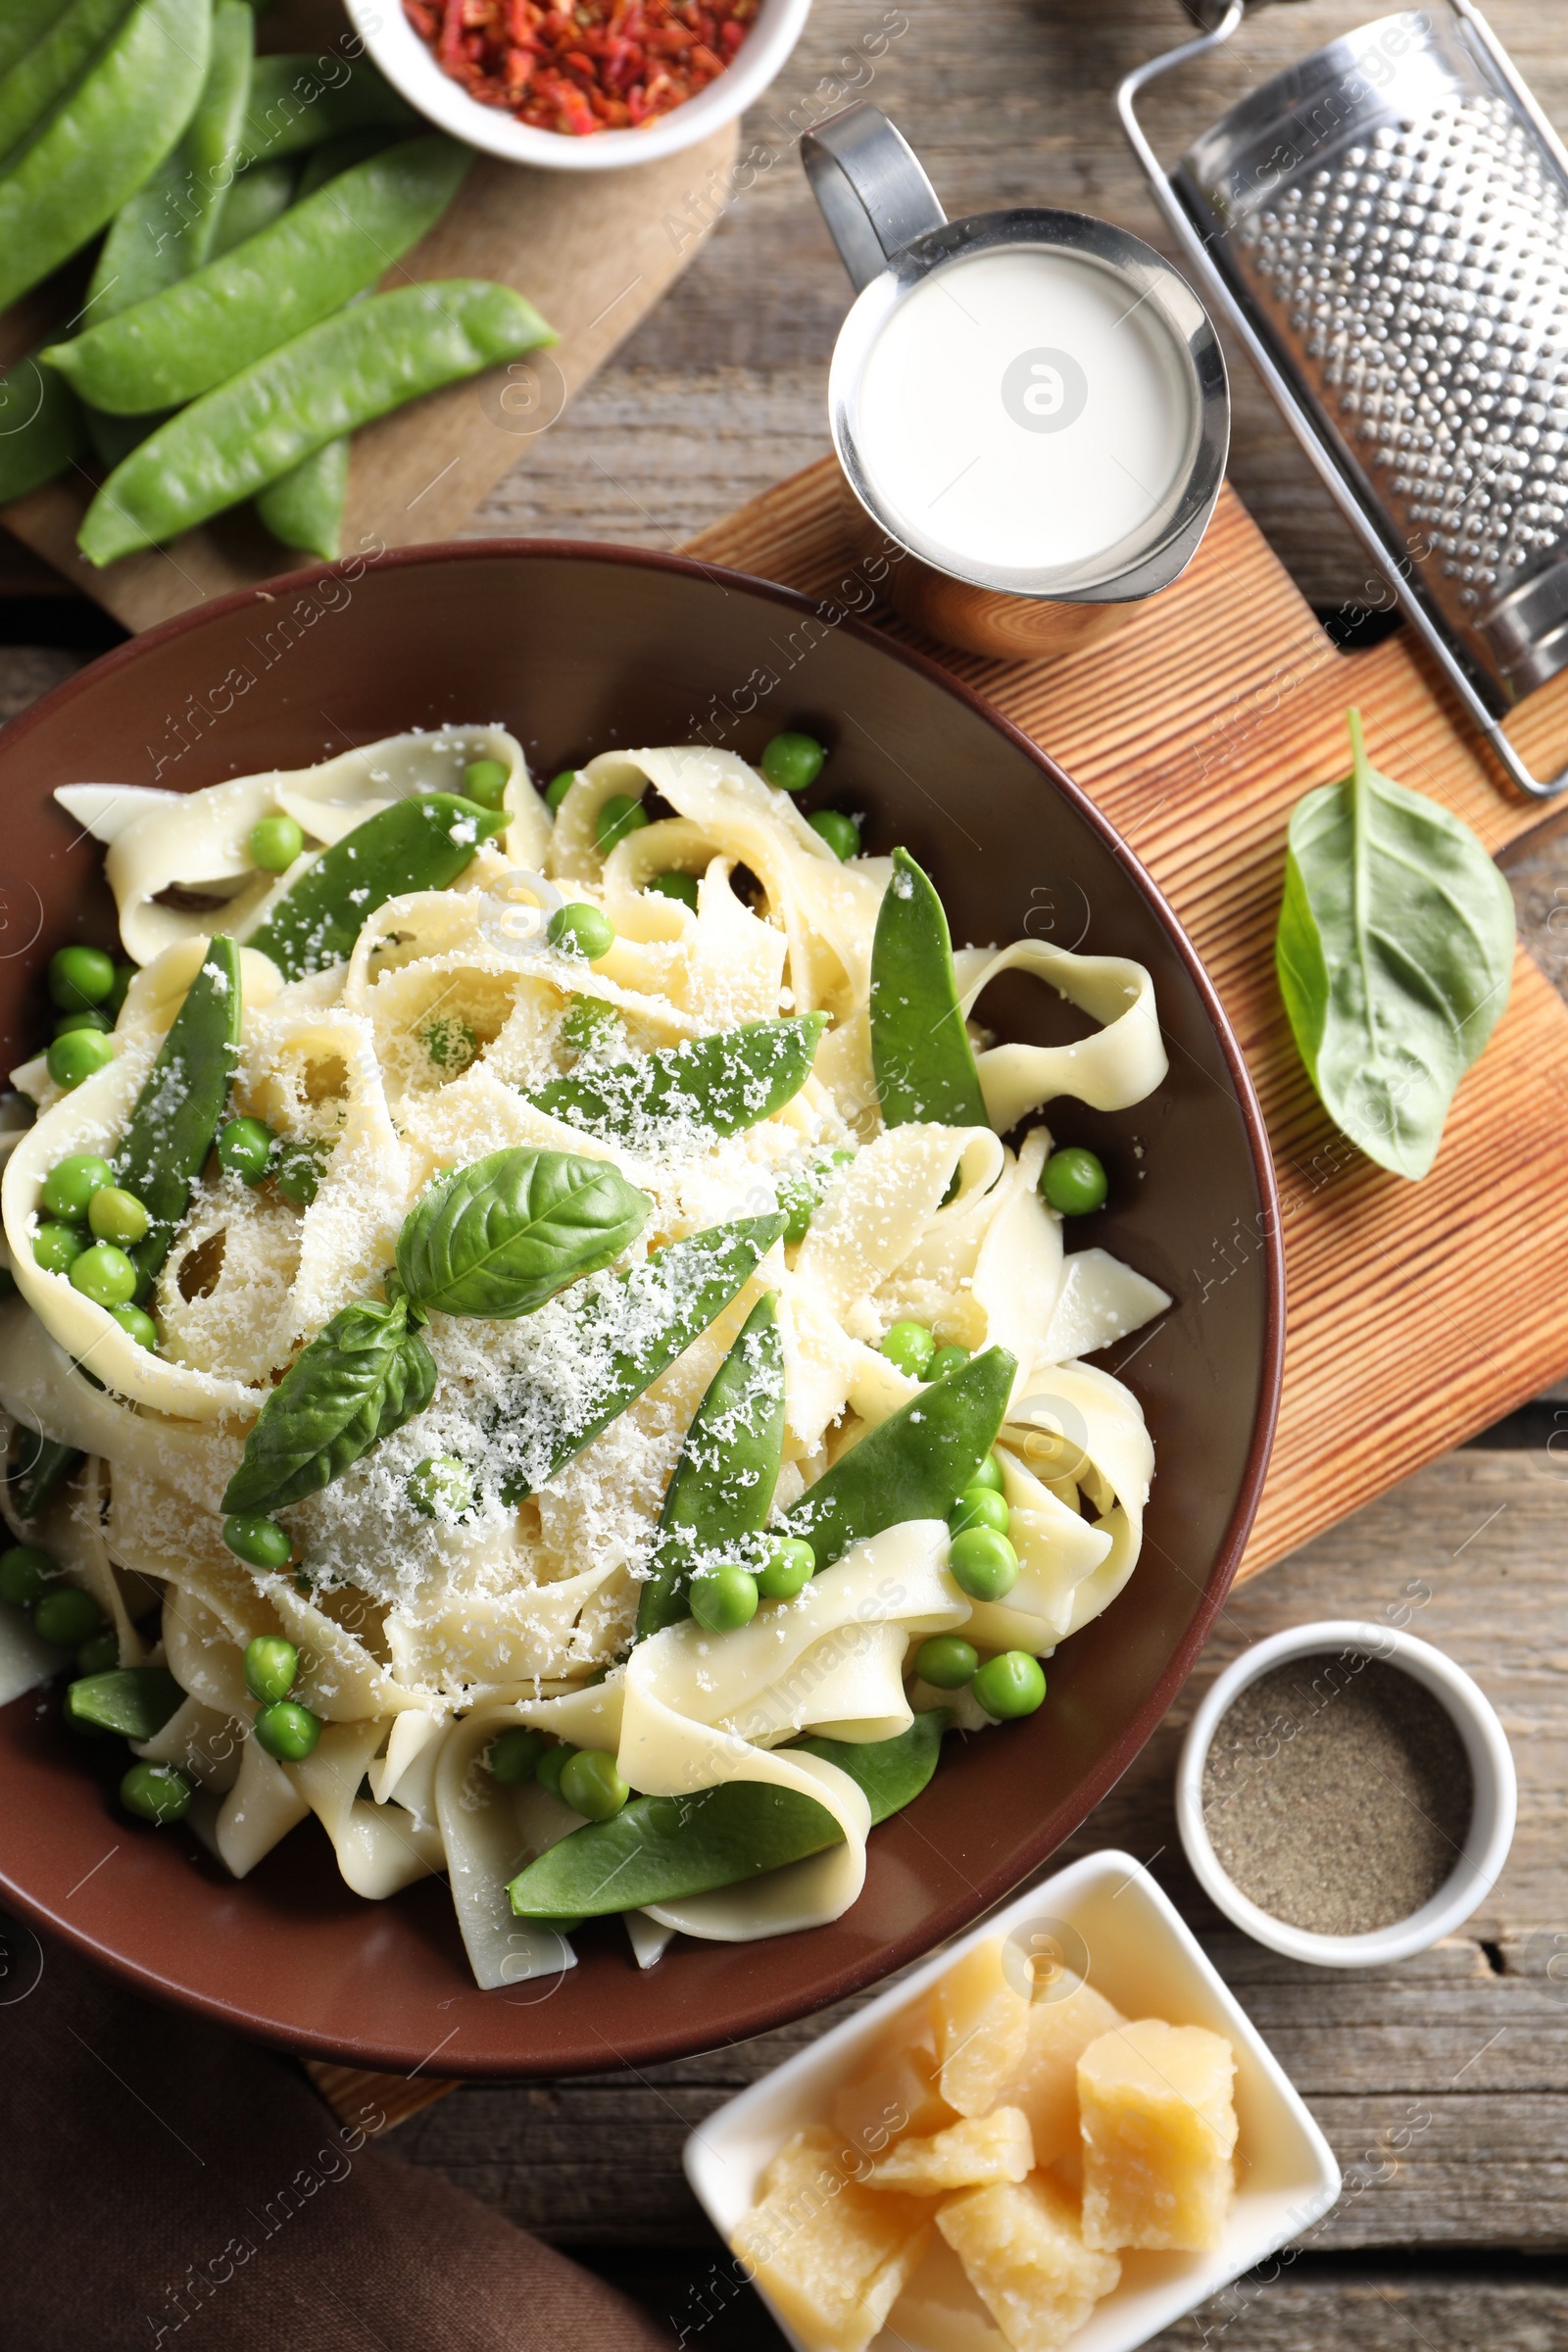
pixel 870 188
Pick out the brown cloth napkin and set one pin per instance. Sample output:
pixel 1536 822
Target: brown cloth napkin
pixel 164 2184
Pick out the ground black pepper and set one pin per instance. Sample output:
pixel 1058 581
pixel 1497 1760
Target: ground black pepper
pixel 1336 1793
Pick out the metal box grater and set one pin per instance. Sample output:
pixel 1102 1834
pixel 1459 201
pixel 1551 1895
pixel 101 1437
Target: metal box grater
pixel 1386 227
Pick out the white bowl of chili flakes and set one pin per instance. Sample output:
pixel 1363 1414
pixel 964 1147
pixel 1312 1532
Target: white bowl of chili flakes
pixel 585 86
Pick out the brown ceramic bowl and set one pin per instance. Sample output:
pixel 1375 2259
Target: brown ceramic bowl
pixel 577 648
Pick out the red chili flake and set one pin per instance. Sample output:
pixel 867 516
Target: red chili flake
pixel 588 66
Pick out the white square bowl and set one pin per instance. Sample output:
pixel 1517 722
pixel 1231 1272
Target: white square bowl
pixel 1116 1928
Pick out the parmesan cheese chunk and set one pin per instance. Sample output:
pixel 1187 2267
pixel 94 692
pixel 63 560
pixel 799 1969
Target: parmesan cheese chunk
pixel 1046 2083
pixel 980 2149
pixel 1158 2134
pixel 1020 2246
pixel 940 2311
pixel 899 2097
pixel 834 2256
pixel 982 2027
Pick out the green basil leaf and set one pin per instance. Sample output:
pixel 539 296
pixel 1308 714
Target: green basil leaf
pixel 692 1093
pixel 361 1377
pixel 1394 955
pixel 502 1236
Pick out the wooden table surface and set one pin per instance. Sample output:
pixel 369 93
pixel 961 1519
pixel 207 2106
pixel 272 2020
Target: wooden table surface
pixel 1442 2084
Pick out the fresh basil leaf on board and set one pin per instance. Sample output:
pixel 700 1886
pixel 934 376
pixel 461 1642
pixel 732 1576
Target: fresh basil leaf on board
pixel 500 1236
pixel 361 1377
pixel 1394 955
pixel 661 1849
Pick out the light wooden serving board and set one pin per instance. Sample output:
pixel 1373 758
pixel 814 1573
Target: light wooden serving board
pixel 593 251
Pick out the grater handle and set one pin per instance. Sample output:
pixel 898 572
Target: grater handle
pixel 870 189
pixel 1393 562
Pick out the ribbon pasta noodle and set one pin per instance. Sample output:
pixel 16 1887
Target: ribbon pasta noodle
pixel 455 1030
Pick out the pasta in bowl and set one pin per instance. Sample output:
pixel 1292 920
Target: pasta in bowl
pixel 596 1386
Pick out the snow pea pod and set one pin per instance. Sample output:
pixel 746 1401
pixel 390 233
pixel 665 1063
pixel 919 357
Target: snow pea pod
pixel 134 1700
pixel 421 844
pixel 197 333
pixel 359 366
pixel 42 1475
pixel 293 105
pixel 40 79
pixel 304 508
pixel 621 1337
pixel 920 1049
pixel 256 200
pixel 177 1113
pixel 915 1465
pixel 661 1849
pixel 105 138
pixel 333 156
pixel 23 23
pixel 721 1489
pixel 41 427
pixel 705 1087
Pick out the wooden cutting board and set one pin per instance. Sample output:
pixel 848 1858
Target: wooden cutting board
pixel 593 251
pixel 1418 1314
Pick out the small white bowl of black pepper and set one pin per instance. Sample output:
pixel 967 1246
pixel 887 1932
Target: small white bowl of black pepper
pixel 1346 1794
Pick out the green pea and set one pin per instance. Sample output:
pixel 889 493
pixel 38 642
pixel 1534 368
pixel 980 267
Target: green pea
pixel 581 930
pixel 559 785
pixel 24 1571
pixel 1074 1182
pixel 116 1215
pixel 989 1474
pixel 591 1786
pixel 787 1569
pixel 1009 1685
pixel 513 1755
pixel 911 1348
pixel 287 1730
pixel 124 974
pixel 724 1598
pixel 589 1025
pixel 55 1248
pixel 245 1149
pixel 259 1543
pixel 841 833
pixel 951 1358
pixel 156 1792
pixel 979 1506
pixel 270 1666
pixel 486 781
pixel 68 1189
pixel 791 760
pixel 91 1020
pixel 984 1564
pixel 66 1616
pixel 99 1653
pixel 297 1177
pixel 105 1275
pixel 682 886
pixel 946 1662
pixel 441 1482
pixel 552 1764
pixel 77 1056
pixel 140 1324
pixel 275 841
pixel 617 818
pixel 80 977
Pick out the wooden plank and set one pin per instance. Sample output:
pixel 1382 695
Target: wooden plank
pixel 592 251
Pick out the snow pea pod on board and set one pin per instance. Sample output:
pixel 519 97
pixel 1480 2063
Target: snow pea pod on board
pixel 293 104
pixel 304 508
pixel 359 366
pixel 40 79
pixel 206 327
pixel 254 201
pixel 41 427
pixel 620 1337
pixel 920 1051
pixel 103 140
pixel 914 1465
pixel 705 1086
pixel 181 1107
pixel 22 22
pixel 421 844
pixel 661 1849
pixel 721 1489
